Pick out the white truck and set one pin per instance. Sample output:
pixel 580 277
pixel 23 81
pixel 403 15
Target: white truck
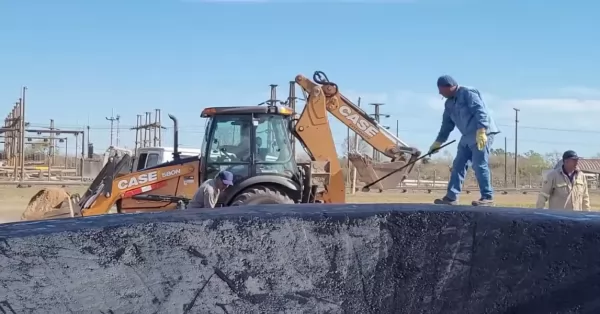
pixel 147 157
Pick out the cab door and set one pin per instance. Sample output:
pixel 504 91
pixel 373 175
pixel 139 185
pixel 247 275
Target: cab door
pixel 167 187
pixel 228 146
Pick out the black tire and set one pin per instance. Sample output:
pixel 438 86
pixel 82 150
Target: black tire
pixel 261 195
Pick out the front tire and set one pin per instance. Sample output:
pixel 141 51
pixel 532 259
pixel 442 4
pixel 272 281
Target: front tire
pixel 260 195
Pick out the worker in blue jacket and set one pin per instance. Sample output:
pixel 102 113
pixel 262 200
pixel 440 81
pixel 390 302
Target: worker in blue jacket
pixel 465 110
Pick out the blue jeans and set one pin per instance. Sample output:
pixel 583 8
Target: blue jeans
pixel 468 152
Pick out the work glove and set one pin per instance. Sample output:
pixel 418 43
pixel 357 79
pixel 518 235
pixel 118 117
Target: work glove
pixel 481 139
pixel 435 147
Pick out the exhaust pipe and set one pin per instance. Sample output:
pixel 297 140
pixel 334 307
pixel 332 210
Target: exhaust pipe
pixel 176 153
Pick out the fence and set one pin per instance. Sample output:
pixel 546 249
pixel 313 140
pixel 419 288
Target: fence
pixel 432 178
pixel 424 177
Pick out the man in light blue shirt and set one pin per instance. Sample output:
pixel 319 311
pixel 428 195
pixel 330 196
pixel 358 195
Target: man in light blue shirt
pixel 465 110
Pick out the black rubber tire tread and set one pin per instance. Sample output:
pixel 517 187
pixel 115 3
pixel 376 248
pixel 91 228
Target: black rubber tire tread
pixel 259 195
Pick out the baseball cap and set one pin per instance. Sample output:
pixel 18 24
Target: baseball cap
pixel 226 177
pixel 446 81
pixel 570 155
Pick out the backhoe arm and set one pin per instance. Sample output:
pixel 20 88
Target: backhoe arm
pixel 356 119
pixel 314 131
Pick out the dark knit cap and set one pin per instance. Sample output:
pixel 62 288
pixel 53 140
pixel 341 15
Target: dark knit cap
pixel 446 81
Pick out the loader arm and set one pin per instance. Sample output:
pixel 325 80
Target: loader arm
pixel 314 131
pixel 163 177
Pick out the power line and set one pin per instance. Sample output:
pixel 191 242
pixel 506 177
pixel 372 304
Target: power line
pixel 198 127
pixel 200 130
pixel 557 129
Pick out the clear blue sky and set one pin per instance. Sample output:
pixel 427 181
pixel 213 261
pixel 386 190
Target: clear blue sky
pixel 81 59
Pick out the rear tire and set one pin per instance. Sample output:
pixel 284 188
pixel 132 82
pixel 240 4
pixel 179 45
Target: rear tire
pixel 260 195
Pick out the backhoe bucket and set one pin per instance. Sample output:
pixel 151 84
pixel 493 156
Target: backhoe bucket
pixel 368 171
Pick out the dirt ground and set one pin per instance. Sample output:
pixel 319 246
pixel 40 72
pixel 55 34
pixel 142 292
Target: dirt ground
pixel 14 200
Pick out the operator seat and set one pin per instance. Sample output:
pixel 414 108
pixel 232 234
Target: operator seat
pixel 261 153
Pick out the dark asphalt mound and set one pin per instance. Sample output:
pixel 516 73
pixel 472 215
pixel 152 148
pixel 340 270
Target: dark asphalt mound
pixel 368 258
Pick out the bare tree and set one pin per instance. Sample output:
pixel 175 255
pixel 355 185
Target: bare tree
pixel 554 157
pixel 363 147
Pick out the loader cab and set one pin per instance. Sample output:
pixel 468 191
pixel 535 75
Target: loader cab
pixel 251 142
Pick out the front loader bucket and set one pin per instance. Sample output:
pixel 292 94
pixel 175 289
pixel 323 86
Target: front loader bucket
pixel 368 171
pixel 48 203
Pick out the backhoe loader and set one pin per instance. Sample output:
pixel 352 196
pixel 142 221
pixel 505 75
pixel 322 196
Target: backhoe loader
pixel 255 144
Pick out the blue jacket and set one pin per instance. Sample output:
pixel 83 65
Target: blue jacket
pixel 467 112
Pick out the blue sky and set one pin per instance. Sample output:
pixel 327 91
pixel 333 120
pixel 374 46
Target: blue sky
pixel 82 59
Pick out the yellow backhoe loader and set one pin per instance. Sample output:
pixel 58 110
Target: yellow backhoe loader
pixel 255 144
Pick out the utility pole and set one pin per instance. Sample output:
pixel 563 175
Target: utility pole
pixel 118 118
pixel 148 133
pixel 89 153
pixel 138 136
pixel 348 156
pixel 51 144
pixel 112 120
pixel 516 146
pixel 377 115
pixel 22 135
pixel 353 184
pixel 156 130
pixel 397 127
pixel 355 142
pixel 291 102
pixel 505 163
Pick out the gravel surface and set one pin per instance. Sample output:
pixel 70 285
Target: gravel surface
pixel 375 258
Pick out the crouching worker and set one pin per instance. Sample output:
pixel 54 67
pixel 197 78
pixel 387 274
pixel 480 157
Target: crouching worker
pixel 208 193
pixel 565 187
pixel 465 110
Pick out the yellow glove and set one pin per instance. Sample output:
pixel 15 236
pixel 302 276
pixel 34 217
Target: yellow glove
pixel 434 147
pixel 481 139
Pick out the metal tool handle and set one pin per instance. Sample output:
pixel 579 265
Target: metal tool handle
pixel 366 188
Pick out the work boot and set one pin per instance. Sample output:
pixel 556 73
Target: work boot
pixel 445 201
pixel 483 202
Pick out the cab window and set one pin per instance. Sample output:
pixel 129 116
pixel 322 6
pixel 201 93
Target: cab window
pixel 141 163
pixel 152 160
pixel 228 148
pixel 272 140
pixel 230 139
pixel 273 148
pixel 147 160
pixel 206 136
